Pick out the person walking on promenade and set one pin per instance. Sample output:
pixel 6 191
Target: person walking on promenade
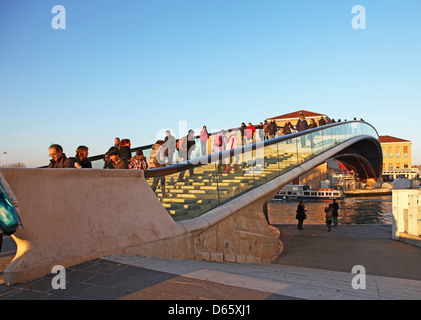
pixel 335 212
pixel 329 216
pixel 81 158
pixel 170 145
pixel 58 158
pixel 301 214
pixel 204 136
pixel 322 121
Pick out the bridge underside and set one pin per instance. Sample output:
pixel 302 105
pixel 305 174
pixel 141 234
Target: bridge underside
pixel 364 158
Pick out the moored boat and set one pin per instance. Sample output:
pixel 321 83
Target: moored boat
pixel 304 192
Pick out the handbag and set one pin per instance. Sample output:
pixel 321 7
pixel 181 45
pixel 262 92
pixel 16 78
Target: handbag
pixel 9 217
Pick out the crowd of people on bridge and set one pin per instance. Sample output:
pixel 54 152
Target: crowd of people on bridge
pixel 119 156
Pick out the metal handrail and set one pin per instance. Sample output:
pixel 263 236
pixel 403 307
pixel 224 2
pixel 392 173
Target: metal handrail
pixel 197 162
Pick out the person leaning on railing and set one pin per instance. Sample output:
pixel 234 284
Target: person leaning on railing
pixel 81 159
pixel 58 158
pixel 117 161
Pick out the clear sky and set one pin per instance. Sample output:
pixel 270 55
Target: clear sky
pixel 133 68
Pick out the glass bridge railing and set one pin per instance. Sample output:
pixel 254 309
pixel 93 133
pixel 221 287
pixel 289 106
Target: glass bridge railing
pixel 189 189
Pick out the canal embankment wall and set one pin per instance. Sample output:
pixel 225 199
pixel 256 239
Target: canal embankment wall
pixel 406 225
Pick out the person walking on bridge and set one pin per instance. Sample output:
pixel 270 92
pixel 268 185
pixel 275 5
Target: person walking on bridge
pixel 302 125
pixel 204 136
pixel 157 159
pixel 272 129
pixel 170 146
pixel 220 143
pixel 186 147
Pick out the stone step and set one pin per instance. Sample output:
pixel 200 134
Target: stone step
pixel 202 192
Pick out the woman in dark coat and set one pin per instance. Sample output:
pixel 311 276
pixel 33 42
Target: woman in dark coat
pixel 125 152
pixel 301 215
pixel 81 159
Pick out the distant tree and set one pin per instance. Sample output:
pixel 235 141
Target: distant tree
pixel 16 165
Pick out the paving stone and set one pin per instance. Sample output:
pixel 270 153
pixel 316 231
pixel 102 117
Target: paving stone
pixel 106 280
pixel 26 295
pixel 123 277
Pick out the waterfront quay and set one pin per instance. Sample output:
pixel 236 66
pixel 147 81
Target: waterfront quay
pixel 314 265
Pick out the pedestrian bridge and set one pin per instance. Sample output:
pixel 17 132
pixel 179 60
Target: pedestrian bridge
pixel 354 144
pixel 74 215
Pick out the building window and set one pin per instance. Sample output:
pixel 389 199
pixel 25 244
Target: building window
pixel 398 165
pixel 390 166
pixel 405 165
pixel 390 151
pixel 384 153
pixel 405 152
pixel 398 152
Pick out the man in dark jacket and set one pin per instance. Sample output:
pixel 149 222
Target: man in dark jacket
pixel 118 161
pixel 301 126
pixel 58 158
pixel 272 129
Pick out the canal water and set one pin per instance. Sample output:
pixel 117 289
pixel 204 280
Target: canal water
pixel 352 210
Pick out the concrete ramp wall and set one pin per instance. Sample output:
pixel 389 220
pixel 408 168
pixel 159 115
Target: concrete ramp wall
pixel 74 215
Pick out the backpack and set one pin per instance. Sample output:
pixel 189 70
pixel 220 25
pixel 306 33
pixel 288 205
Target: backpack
pixel 328 212
pixel 9 218
pixel 219 142
pixel 182 144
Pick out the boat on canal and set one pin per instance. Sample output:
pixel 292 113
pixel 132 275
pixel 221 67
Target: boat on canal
pixel 304 192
